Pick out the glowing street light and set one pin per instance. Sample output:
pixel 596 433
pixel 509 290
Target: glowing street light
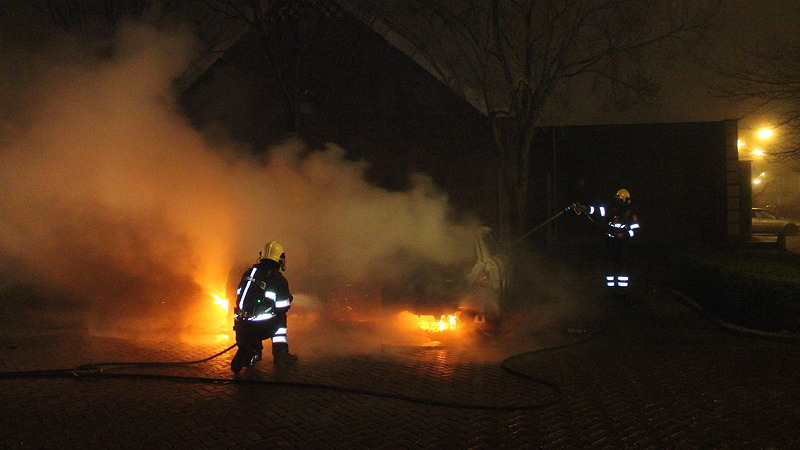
pixel 748 149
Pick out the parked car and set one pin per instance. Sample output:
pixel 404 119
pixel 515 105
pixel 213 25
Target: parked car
pixel 766 222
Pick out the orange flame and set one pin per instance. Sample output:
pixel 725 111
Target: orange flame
pixel 210 322
pixel 221 302
pixel 224 304
pixel 444 323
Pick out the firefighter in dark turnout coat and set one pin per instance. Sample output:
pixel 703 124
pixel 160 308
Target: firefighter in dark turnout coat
pixel 262 301
pixel 620 224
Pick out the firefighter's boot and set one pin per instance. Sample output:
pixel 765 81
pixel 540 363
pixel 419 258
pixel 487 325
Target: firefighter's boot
pixel 238 361
pixel 281 355
pixel 255 357
pixel 245 357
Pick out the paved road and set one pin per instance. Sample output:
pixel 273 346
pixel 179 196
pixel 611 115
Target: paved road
pixel 647 373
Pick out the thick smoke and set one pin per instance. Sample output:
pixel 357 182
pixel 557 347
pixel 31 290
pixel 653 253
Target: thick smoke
pixel 114 205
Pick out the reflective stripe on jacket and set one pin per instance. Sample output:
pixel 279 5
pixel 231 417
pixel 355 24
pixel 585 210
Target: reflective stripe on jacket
pixel 263 292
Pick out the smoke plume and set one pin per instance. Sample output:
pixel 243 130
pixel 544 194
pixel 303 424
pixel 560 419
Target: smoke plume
pixel 113 204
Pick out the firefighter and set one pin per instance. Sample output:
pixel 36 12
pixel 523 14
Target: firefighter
pixel 262 301
pixel 620 225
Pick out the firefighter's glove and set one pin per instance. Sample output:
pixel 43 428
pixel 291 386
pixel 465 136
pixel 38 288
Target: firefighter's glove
pixel 578 208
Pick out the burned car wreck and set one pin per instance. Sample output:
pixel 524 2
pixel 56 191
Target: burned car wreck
pixel 469 293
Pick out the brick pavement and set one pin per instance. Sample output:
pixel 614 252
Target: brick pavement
pixel 649 372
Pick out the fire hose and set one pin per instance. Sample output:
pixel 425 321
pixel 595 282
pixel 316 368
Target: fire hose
pixel 554 217
pixel 97 370
pixel 574 207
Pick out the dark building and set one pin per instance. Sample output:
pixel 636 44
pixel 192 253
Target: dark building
pixel 354 89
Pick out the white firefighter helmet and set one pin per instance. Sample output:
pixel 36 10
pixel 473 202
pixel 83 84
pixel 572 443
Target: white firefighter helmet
pixel 274 252
pixel 623 195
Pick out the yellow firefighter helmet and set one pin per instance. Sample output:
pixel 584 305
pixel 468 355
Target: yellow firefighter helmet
pixel 274 252
pixel 623 195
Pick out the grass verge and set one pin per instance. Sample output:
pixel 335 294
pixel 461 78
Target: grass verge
pixel 749 287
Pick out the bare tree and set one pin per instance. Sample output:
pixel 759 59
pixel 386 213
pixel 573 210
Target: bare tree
pixel 773 79
pixel 510 57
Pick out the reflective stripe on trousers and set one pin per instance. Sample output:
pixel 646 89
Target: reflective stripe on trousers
pixel 279 336
pixel 617 280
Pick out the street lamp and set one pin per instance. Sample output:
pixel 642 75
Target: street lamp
pixel 762 134
pixel 744 149
pixel 761 145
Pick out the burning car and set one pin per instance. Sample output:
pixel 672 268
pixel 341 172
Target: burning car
pixel 465 294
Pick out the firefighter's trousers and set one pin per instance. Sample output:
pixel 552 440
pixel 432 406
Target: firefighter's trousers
pixel 250 334
pixel 617 275
pixel 618 254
